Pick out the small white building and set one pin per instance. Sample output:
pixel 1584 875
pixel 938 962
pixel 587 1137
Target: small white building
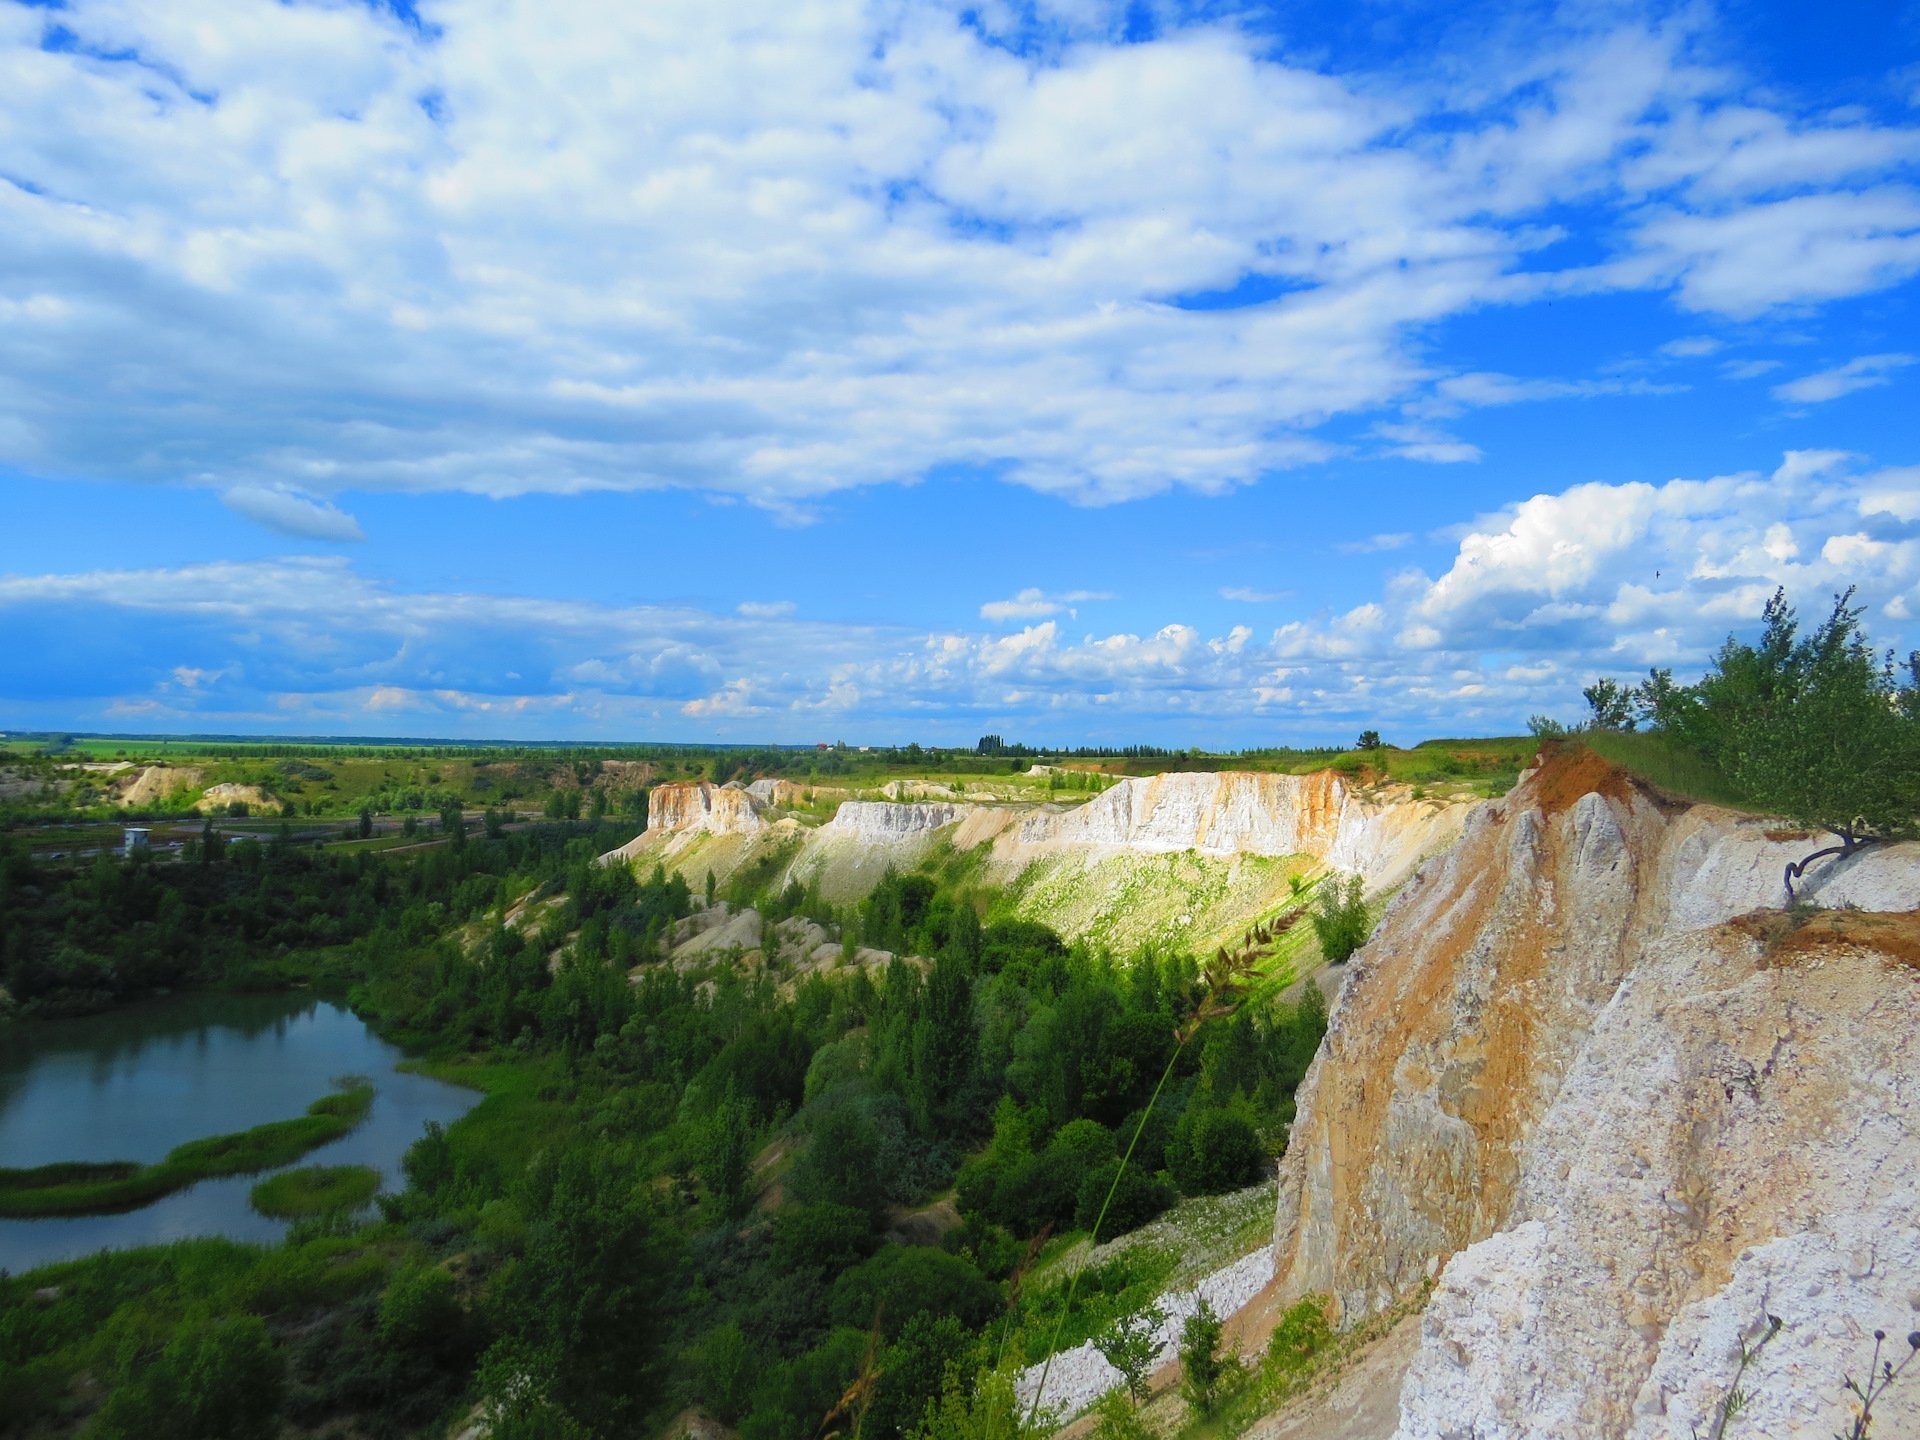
pixel 136 839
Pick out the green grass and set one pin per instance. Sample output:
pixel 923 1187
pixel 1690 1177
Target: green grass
pixel 1666 763
pixel 76 1188
pixel 315 1190
pixel 524 1111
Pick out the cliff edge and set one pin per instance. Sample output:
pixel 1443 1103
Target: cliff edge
pixel 1619 1110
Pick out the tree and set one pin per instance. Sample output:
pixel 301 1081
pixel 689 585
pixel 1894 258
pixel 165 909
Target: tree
pixel 1821 729
pixel 1369 740
pixel 366 822
pixel 1340 918
pixel 1215 1151
pixel 1611 704
pixel 726 1152
pixel 1204 1370
pixel 1131 1344
pixel 212 1380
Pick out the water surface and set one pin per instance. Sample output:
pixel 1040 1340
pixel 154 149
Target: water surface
pixel 137 1081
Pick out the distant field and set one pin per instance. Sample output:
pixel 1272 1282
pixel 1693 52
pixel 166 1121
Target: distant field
pixel 112 779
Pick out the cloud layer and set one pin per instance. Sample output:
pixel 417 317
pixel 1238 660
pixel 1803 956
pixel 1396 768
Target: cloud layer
pixel 286 251
pixel 1534 601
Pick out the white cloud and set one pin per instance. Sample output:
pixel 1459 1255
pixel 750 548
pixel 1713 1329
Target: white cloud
pixel 1424 442
pixel 1373 544
pixel 1533 602
pixel 1862 373
pixel 1033 604
pixel 1749 369
pixel 291 513
pixel 1247 595
pixel 764 609
pixel 832 245
pixel 1692 347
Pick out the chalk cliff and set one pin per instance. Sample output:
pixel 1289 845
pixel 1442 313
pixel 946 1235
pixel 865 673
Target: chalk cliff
pixel 698 806
pixel 1621 1109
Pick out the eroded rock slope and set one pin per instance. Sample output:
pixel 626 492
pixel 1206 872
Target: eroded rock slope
pixel 1621 1109
pixel 1179 858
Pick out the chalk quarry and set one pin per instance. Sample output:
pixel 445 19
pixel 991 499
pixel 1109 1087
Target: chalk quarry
pixel 1180 858
pixel 1618 1109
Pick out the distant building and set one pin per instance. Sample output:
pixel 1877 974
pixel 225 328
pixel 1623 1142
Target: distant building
pixel 136 839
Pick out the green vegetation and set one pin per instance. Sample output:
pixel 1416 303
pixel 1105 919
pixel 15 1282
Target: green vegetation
pixel 1341 921
pixel 1204 1371
pixel 315 1190
pixel 1819 728
pixel 93 1189
pixel 679 1187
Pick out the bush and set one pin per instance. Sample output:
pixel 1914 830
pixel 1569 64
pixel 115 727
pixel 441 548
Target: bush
pixel 1340 918
pixel 1301 1336
pixel 1204 1370
pixel 213 1380
pixel 1215 1151
pixel 1044 1189
pixel 825 1236
pixel 902 1281
pixel 421 1312
pixel 1140 1196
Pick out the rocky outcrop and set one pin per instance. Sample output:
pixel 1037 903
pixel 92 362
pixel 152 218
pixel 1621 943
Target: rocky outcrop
pixel 154 784
pixel 1229 813
pixel 1213 813
pixel 791 794
pixel 1183 859
pixel 218 797
pixel 1617 1121
pixel 882 822
pixel 688 806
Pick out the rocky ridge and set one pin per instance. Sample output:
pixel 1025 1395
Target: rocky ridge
pixel 1618 1110
pixel 1190 855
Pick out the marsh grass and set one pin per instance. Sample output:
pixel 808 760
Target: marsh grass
pixel 80 1188
pixel 315 1190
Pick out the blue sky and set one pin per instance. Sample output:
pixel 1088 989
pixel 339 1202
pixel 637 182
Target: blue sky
pixel 1229 375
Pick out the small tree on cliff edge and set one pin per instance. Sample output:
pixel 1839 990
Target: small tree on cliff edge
pixel 1821 729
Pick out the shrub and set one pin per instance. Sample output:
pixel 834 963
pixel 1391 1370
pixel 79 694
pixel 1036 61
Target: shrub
pixel 902 1281
pixel 213 1380
pixel 1340 918
pixel 1139 1196
pixel 1214 1151
pixel 1204 1370
pixel 1301 1336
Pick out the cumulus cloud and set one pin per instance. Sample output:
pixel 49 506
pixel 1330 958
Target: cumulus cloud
pixel 1862 373
pixel 837 245
pixel 291 513
pixel 1533 602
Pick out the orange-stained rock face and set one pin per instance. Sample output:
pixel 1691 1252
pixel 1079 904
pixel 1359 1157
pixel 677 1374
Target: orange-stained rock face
pixel 697 805
pixel 1612 1123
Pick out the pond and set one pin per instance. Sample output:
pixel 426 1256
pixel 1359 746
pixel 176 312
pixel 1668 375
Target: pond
pixel 134 1083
